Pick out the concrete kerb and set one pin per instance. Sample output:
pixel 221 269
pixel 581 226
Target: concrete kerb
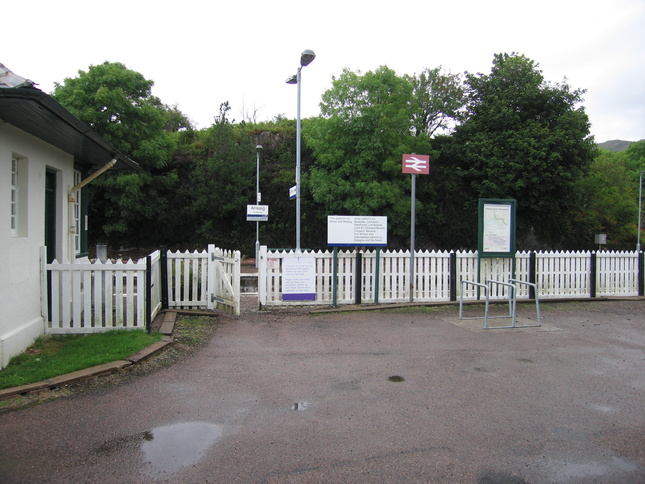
pixel 381 307
pixel 167 327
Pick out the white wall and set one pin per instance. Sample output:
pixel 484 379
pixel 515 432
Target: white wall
pixel 21 320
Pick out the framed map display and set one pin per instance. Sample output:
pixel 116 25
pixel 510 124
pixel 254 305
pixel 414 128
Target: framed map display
pixel 496 234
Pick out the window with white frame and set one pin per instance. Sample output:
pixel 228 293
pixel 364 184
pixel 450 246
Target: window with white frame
pixel 14 207
pixel 77 214
pixel 19 196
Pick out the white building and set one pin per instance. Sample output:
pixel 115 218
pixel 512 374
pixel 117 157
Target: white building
pixel 46 156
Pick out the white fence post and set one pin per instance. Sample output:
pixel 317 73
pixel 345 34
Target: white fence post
pixel 262 276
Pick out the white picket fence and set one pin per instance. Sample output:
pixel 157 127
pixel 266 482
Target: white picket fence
pixel 93 297
pixel 557 275
pixel 187 279
pixel 84 297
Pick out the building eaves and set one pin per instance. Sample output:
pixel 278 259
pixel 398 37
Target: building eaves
pixel 37 113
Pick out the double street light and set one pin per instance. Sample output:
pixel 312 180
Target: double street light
pixel 305 59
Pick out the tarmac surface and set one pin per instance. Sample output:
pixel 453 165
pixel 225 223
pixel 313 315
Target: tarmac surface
pixel 407 395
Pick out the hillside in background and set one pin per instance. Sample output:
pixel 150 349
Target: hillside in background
pixel 615 145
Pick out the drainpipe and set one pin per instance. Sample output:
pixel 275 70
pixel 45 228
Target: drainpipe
pixel 71 199
pixel 94 175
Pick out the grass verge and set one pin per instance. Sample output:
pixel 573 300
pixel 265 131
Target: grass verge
pixel 53 356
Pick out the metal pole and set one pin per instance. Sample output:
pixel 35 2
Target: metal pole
pixel 298 166
pixel 334 279
pixel 640 198
pixel 257 202
pixel 413 217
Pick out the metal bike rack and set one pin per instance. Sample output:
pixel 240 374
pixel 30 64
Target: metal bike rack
pixel 511 305
pixel 461 299
pixel 537 304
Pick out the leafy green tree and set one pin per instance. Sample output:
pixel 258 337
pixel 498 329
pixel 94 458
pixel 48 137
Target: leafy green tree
pixel 609 203
pixel 439 100
pixel 357 145
pixel 634 157
pixel 117 103
pixel 220 186
pixel 527 139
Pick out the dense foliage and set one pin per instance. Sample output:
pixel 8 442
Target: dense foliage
pixel 506 134
pixel 358 143
pixel 525 139
pixel 117 103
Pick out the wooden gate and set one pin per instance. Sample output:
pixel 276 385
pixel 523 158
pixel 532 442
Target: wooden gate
pixel 224 279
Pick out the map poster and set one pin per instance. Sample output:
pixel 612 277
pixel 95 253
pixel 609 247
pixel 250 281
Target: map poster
pixel 299 279
pixel 496 227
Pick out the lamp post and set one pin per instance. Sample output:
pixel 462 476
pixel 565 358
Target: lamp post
pixel 640 200
pixel 257 201
pixel 305 59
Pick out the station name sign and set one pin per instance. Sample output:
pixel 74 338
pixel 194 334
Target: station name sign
pixel 257 213
pixel 355 230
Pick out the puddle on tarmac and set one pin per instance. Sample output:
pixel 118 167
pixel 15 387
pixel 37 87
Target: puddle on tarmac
pixel 166 449
pixel 173 447
pixel 396 378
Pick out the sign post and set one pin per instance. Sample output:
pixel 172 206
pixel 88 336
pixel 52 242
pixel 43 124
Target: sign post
pixel 353 231
pixel 414 165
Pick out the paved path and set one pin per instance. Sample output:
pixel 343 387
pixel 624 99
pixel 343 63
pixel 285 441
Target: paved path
pixel 400 396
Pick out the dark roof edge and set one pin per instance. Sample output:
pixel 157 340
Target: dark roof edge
pixel 53 106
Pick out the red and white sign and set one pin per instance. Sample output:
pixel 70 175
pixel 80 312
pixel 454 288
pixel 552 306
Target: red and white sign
pixel 416 164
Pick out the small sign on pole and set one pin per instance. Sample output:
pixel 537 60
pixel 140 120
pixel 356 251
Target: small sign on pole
pixel 292 192
pixel 416 164
pixel 257 213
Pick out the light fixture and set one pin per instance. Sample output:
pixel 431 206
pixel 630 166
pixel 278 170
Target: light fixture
pixel 306 58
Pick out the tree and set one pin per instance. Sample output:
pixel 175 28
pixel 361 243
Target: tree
pixel 117 103
pixel 609 203
pixel 439 99
pixel 220 186
pixel 357 144
pixel 634 157
pixel 526 139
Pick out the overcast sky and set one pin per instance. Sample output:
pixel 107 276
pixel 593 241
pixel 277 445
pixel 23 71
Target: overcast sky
pixel 202 53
